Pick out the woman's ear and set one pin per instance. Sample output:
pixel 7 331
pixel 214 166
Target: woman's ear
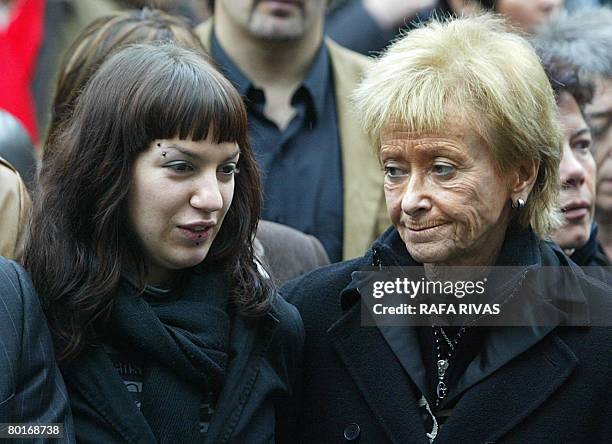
pixel 523 180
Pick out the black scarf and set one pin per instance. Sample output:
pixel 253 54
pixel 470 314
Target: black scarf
pixel 184 345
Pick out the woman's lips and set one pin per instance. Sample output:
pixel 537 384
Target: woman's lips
pixel 575 210
pixel 423 233
pixel 576 213
pixel 197 236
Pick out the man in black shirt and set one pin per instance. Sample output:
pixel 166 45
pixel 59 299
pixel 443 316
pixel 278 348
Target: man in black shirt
pixel 319 173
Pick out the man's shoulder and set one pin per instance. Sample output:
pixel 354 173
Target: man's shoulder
pixel 347 59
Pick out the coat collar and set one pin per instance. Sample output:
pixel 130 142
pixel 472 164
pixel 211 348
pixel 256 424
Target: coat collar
pixel 518 369
pixel 385 386
pixel 251 341
pixel 591 254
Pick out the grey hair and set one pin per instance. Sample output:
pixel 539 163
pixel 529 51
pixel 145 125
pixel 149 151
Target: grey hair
pixel 583 38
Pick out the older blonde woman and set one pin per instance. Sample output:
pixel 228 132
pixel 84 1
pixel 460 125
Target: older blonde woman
pixel 466 127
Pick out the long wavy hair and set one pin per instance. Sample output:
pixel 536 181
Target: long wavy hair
pixel 80 241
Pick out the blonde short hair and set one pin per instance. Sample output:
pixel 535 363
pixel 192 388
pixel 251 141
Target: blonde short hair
pixel 475 69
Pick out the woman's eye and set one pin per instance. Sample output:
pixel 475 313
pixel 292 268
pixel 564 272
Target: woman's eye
pixel 229 170
pixel 394 172
pixel 582 145
pixel 180 167
pixel 443 170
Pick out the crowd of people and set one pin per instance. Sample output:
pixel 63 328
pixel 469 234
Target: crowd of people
pixel 191 193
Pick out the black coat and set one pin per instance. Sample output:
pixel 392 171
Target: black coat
pixel 556 388
pixel 258 378
pixel 31 386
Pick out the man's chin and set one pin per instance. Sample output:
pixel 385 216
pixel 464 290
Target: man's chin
pixel 277 29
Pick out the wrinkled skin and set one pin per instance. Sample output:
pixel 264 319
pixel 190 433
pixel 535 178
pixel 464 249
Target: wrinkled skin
pixel 445 196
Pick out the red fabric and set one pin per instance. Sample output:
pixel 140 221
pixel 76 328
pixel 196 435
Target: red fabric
pixel 19 45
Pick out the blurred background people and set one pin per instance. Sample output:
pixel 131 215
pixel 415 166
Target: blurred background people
pixel 523 15
pixel 16 147
pixel 584 38
pixel 32 40
pixel 34 34
pixel 368 26
pixel 319 173
pixel 141 249
pixel 15 205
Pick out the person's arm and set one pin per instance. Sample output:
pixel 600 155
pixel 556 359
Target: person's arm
pixel 15 205
pixel 367 26
pixel 40 394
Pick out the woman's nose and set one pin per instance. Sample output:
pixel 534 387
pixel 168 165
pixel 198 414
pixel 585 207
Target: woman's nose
pixel 206 195
pixel 572 171
pixel 415 199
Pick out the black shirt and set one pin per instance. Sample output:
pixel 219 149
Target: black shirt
pixel 301 166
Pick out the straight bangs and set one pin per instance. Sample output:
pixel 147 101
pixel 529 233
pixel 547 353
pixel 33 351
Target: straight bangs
pixel 185 99
pixel 455 71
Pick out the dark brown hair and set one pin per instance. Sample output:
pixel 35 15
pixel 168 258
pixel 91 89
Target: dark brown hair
pixel 564 76
pixel 103 37
pixel 80 241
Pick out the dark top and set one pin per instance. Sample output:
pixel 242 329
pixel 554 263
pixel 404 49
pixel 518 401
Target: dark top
pixel 526 385
pixel 591 254
pixel 519 249
pixel 265 357
pixel 301 166
pixel 132 366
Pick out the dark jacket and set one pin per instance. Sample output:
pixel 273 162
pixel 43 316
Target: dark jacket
pixel 591 254
pixel 259 376
pixel 31 387
pixel 554 386
pixel 287 252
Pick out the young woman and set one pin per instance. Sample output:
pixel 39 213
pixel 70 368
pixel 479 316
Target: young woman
pixel 286 252
pixel 141 249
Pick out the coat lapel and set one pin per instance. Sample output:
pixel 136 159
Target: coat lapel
pixel 102 387
pixel 379 376
pixel 365 213
pixel 493 407
pixel 241 376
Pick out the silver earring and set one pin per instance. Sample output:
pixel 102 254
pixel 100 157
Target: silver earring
pixel 519 204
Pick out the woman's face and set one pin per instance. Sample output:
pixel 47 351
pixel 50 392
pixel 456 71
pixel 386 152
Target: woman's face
pixel 180 193
pixel 577 172
pixel 445 196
